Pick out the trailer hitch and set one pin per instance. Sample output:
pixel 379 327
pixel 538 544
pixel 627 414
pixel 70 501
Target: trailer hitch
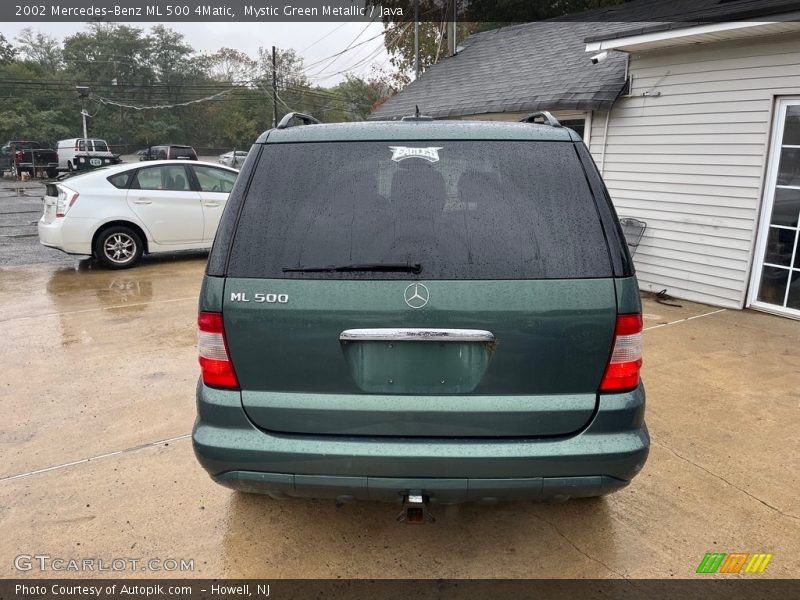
pixel 415 510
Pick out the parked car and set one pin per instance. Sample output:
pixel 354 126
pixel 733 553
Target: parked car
pixel 20 156
pixel 420 311
pixel 116 214
pixel 231 159
pixel 169 152
pixel 81 154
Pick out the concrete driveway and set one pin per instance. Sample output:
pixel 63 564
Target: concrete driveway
pixel 97 390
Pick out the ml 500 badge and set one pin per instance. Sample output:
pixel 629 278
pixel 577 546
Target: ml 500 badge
pixel 259 297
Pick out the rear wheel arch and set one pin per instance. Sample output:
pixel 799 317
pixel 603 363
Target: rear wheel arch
pixel 123 223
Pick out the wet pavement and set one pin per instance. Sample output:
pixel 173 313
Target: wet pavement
pixel 97 396
pixel 20 208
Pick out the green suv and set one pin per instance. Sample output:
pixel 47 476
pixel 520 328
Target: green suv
pixel 420 311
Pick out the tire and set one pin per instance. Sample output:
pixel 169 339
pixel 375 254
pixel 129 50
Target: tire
pixel 52 173
pixel 118 247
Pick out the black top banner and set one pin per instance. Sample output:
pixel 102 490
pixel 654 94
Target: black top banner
pixel 500 11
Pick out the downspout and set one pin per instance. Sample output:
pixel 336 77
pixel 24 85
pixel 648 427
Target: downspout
pixel 605 142
pixel 608 114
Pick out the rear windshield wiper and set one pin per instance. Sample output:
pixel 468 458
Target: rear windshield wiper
pixel 388 267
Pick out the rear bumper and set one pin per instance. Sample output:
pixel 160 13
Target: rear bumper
pixel 604 457
pixel 27 165
pixel 84 163
pixel 61 235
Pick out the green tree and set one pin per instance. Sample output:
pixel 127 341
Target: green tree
pixel 137 81
pixel 107 53
pixel 229 65
pixel 357 98
pixel 288 67
pixel 25 121
pixel 168 55
pixel 39 48
pixel 7 52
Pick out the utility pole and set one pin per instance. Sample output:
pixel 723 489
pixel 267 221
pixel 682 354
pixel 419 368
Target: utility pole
pixel 455 27
pixel 416 39
pixel 274 89
pixel 451 28
pixel 83 92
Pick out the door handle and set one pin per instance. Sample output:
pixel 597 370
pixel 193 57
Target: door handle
pixel 210 203
pixel 143 201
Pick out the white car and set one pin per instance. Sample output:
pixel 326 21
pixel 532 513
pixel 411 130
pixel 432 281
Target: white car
pixel 231 159
pixel 116 214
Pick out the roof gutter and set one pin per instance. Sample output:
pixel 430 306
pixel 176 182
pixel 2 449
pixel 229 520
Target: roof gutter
pixel 682 35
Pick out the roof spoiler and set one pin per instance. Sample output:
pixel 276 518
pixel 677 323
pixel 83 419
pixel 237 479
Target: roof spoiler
pixel 542 117
pixel 306 119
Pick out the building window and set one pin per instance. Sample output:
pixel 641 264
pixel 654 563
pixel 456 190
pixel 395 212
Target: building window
pixel 579 125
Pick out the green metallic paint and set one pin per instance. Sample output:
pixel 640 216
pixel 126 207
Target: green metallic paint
pixel 382 367
pixel 519 420
pixel 211 294
pixel 552 339
pixel 437 490
pixel 628 299
pixel 418 416
pixel 605 455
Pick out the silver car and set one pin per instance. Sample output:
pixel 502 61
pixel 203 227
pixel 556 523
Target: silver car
pixel 233 159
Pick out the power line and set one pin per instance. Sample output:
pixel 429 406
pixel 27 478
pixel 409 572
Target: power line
pixel 332 31
pixel 349 47
pixel 157 106
pixel 373 55
pixel 129 100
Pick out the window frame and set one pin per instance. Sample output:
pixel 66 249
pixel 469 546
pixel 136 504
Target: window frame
pixel 189 178
pixel 196 179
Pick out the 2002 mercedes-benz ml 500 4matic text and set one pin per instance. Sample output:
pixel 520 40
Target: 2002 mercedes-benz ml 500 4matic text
pixel 421 310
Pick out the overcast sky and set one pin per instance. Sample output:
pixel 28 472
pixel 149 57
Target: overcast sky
pixel 306 38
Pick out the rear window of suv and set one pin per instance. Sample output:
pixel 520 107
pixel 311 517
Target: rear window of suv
pixel 460 209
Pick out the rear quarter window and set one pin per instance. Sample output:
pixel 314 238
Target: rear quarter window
pixel 121 180
pixel 461 209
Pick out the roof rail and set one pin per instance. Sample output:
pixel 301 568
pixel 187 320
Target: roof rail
pixel 306 119
pixel 546 119
pixel 417 116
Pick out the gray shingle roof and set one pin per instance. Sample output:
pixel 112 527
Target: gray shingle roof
pixel 528 67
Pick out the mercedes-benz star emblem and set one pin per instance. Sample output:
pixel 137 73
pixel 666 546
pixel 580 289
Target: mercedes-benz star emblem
pixel 416 295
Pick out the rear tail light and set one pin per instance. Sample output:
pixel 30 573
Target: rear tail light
pixel 66 198
pixel 19 156
pixel 215 364
pixel 622 372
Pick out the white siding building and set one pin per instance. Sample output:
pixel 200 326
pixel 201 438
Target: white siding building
pixel 693 148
